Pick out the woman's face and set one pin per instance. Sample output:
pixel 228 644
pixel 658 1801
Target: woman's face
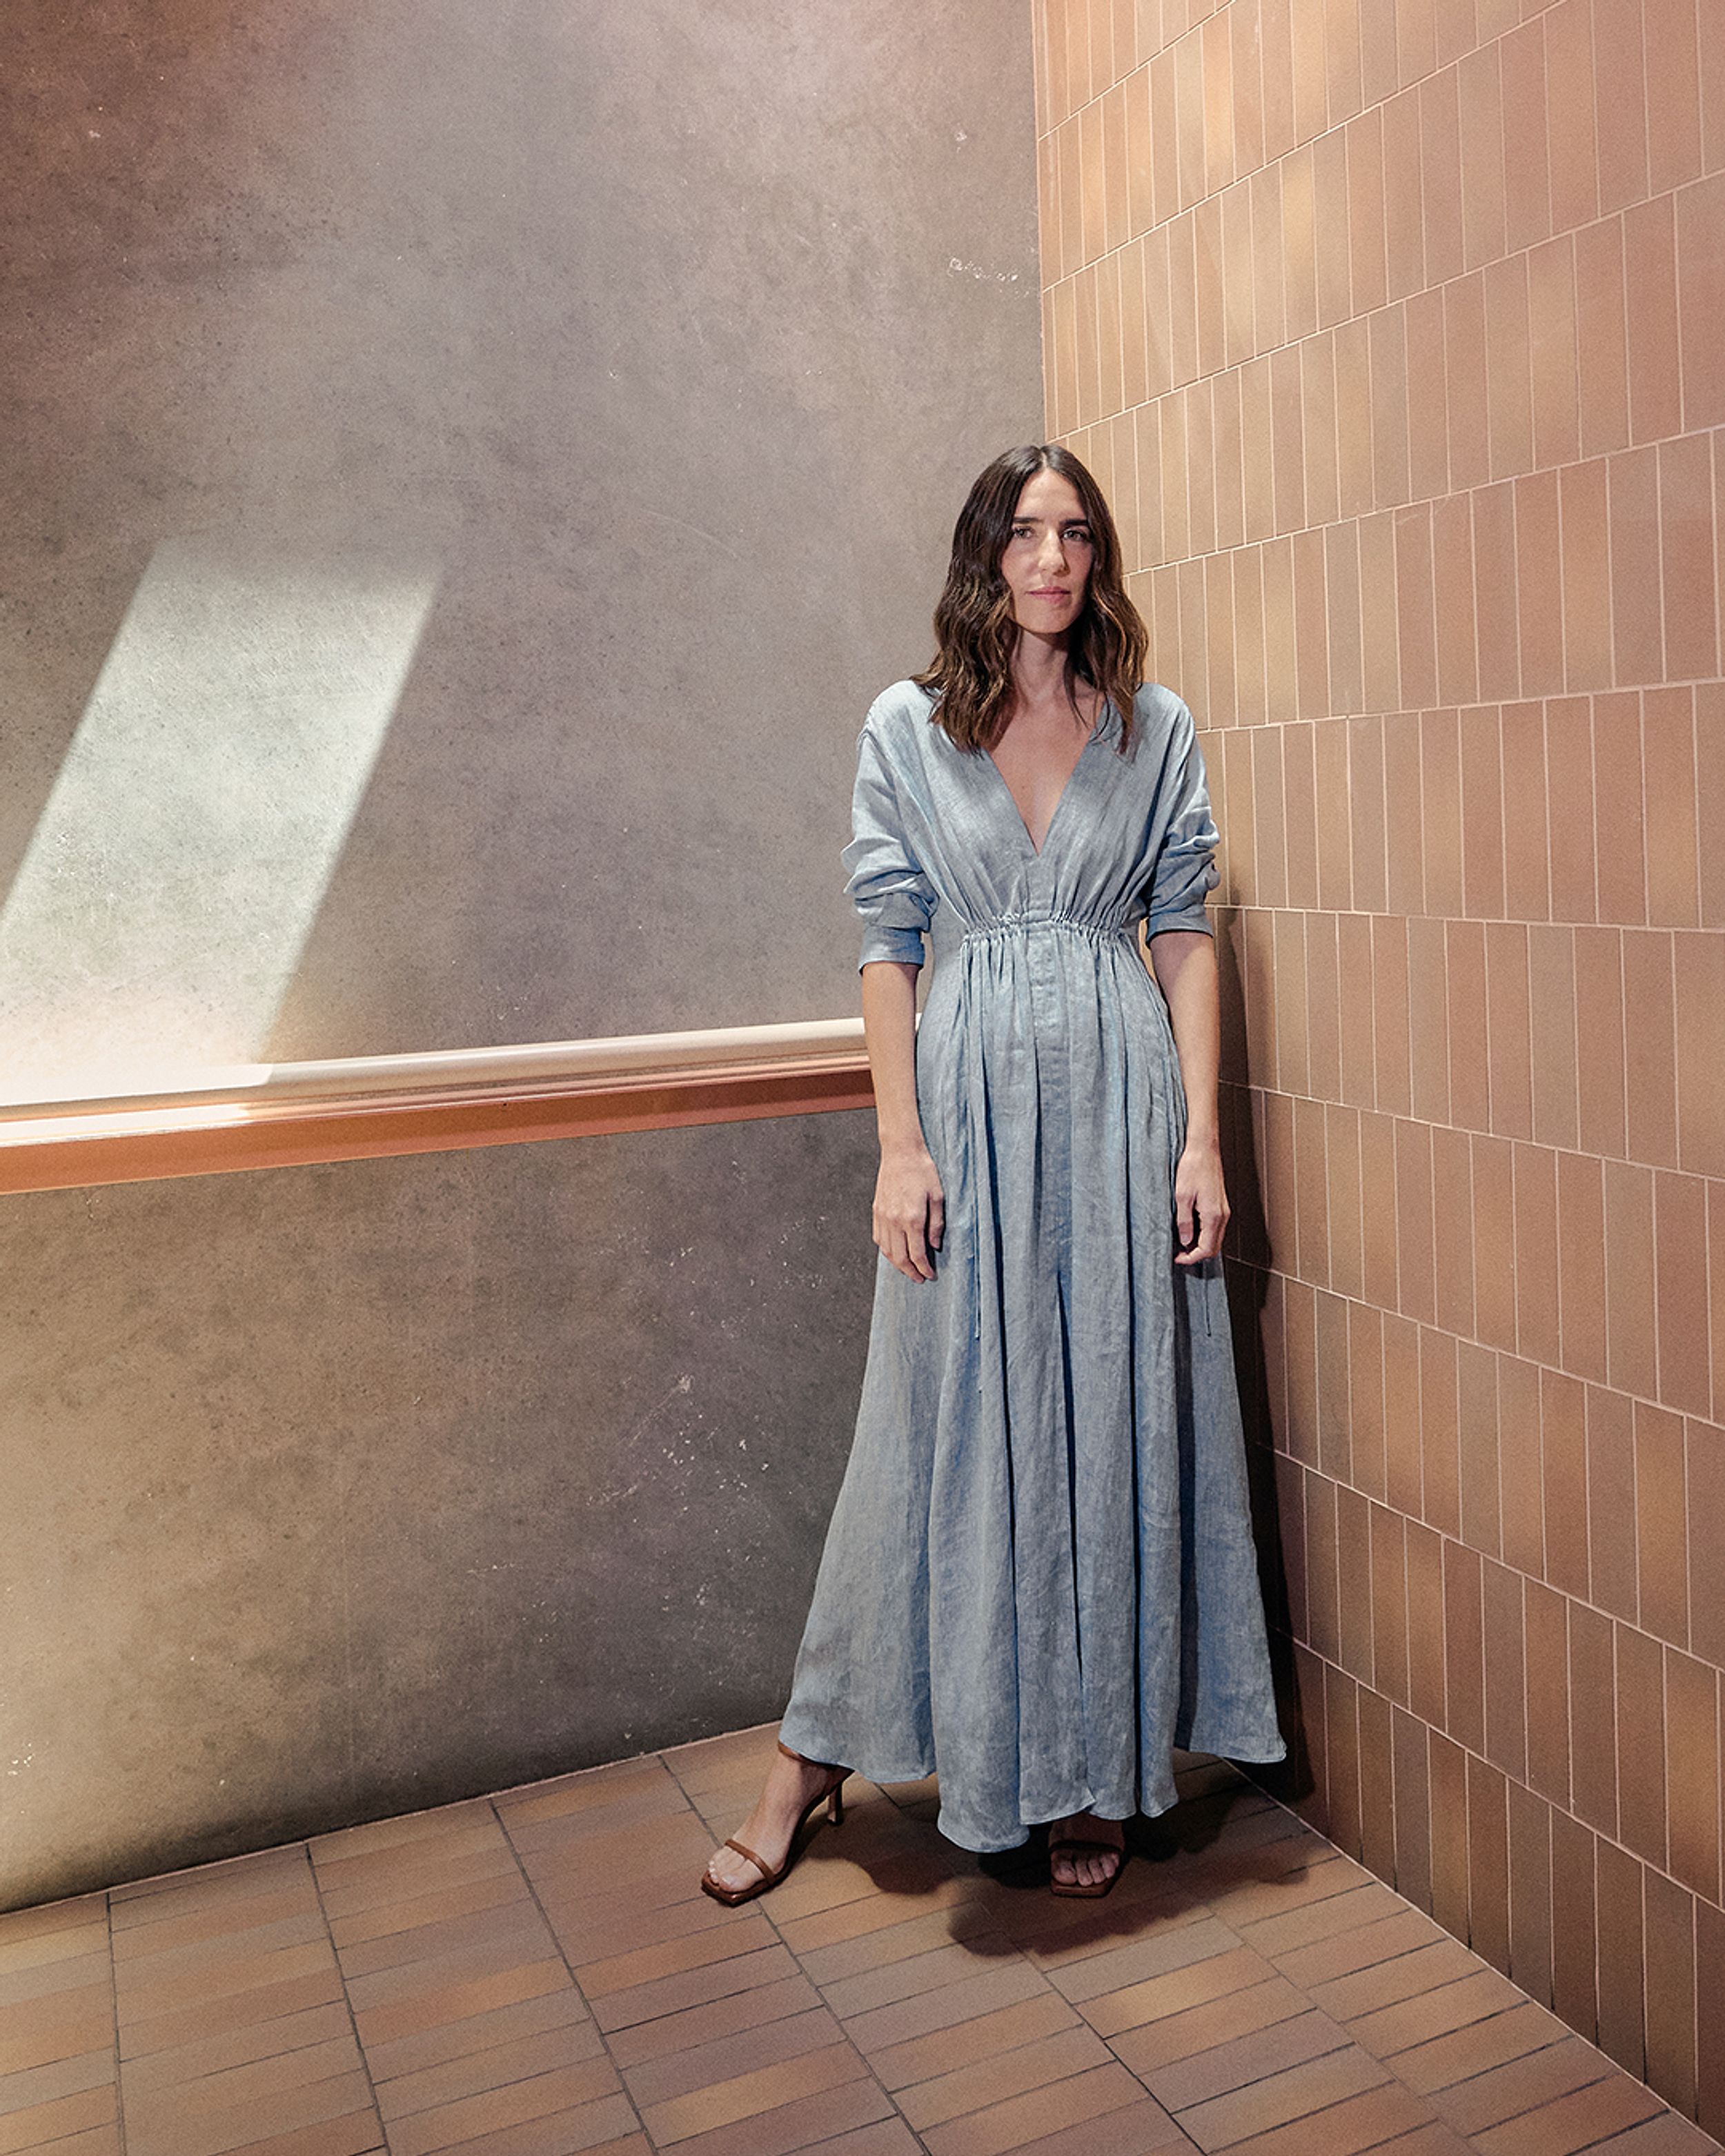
pixel 1046 561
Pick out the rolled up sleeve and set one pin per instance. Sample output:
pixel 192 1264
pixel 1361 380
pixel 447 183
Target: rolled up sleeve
pixel 886 884
pixel 1185 872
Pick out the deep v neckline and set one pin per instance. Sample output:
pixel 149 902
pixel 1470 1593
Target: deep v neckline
pixel 1037 852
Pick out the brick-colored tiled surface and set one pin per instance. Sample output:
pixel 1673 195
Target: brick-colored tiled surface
pixel 538 1973
pixel 1395 330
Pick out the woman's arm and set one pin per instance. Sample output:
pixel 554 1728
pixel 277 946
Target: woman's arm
pixel 1184 960
pixel 910 1209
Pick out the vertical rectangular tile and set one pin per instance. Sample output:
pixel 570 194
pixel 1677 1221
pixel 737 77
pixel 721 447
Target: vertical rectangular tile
pixel 1506 1671
pixel 1601 1070
pixel 1509 368
pixel 1428 1681
pixel 1669 1916
pixel 1464 980
pixel 1527 147
pixel 1586 531
pixel 1617 1882
pixel 1365 1397
pixel 1553 354
pixel 1536 1248
pixel 1452 1223
pixel 1530 1894
pixel 1448 1836
pixel 1574 155
pixel 1613 1539
pixel 1601 307
pixel 1488 1864
pixel 1700 989
pixel 1402 1472
pixel 1650 1041
pixel 1592 1718
pixel 1495 1242
pixel 1706 1447
pixel 1630 1342
pixel 1480 102
pixel 1563 1445
pixel 1581 1263
pixel 1389 1602
pixel 1525 852
pixel 1671 781
pixel 1521 1464
pixel 1508 1041
pixel 1637 639
pixel 1574 1925
pixel 1620 105
pixel 1681 1311
pixel 1551 988
pixel 1546 1636
pixel 1477 1437
pixel 1464 1647
pixel 1661 1524
pixel 1700 272
pixel 1390 1017
pixel 1482 812
pixel 1376 1786
pixel 1689 562
pixel 1692 1764
pixel 1642 1817
pixel 1411 1772
pixel 1428 1018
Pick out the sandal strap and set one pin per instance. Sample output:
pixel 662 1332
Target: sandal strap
pixel 1073 1848
pixel 760 1863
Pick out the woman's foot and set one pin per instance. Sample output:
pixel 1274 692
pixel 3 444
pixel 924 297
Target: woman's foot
pixel 792 1784
pixel 1086 1871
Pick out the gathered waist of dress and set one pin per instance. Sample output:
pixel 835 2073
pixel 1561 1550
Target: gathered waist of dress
pixel 1009 926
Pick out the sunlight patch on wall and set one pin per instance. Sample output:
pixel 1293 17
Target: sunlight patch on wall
pixel 157 916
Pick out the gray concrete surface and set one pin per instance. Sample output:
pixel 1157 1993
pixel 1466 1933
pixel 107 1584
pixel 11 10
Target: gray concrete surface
pixel 660 337
pixel 333 1492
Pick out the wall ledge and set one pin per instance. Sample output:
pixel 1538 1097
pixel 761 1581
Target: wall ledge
pixel 291 1115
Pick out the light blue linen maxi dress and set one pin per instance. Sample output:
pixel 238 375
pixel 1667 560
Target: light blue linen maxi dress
pixel 1039 1576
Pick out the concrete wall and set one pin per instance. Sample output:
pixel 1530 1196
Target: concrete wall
pixel 584 390
pixel 332 1492
pixel 466 471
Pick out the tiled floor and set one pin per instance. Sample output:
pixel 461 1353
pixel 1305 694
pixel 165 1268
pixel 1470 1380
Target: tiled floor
pixel 537 1975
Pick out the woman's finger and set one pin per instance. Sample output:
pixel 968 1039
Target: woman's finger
pixel 936 1219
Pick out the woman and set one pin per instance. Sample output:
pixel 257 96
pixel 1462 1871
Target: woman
pixel 1039 1576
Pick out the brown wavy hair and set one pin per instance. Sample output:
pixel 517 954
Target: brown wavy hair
pixel 975 633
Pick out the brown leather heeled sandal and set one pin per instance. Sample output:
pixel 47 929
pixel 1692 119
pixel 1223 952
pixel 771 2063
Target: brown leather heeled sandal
pixel 832 1796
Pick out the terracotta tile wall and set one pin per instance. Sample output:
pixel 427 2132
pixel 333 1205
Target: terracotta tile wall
pixel 1396 329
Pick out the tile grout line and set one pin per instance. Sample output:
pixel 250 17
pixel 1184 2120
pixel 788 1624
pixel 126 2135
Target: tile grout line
pixel 365 2063
pixel 113 2019
pixel 556 1938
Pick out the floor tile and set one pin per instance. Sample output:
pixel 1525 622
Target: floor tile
pixel 538 1974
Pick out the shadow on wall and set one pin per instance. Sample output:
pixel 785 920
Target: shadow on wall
pixel 1248 1267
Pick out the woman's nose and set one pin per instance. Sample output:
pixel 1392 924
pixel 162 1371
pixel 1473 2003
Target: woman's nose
pixel 1052 558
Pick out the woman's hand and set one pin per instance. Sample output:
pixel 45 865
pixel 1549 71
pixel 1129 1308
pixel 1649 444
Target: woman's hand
pixel 1200 1204
pixel 910 1212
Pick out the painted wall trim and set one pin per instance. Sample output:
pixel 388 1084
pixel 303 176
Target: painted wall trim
pixel 290 1115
